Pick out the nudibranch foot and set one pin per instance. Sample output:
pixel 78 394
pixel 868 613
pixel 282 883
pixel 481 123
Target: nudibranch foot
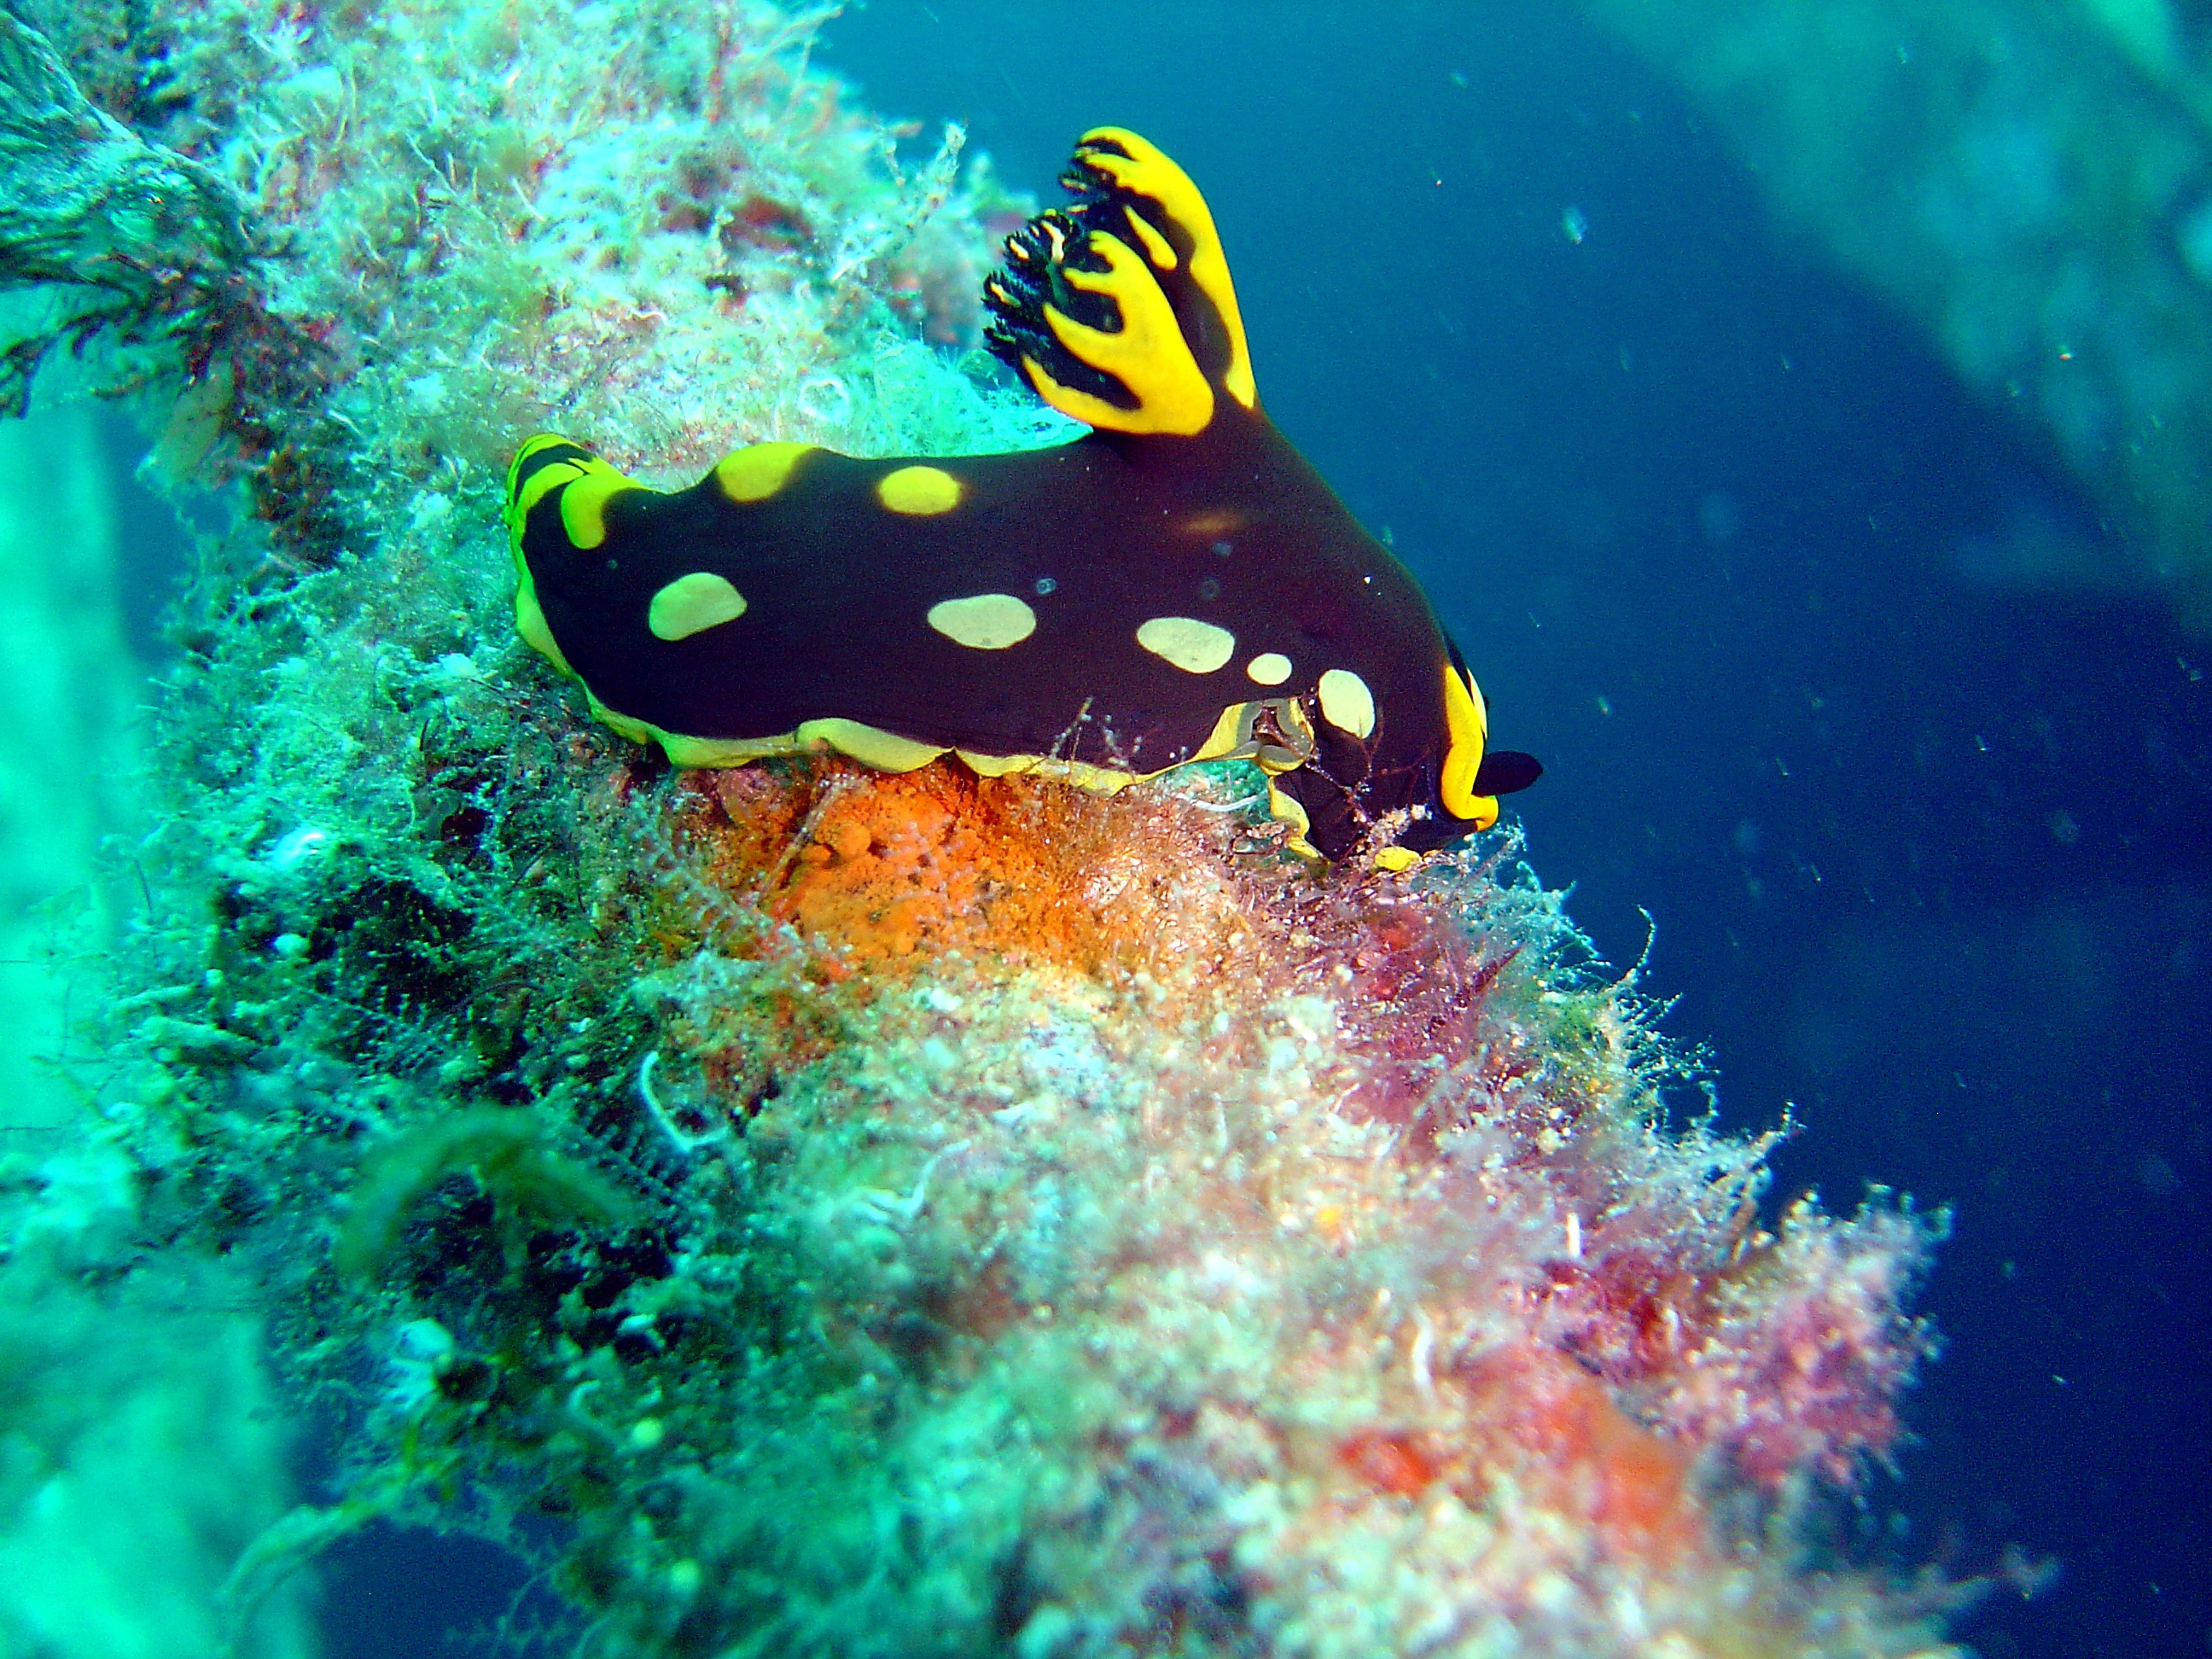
pixel 1178 585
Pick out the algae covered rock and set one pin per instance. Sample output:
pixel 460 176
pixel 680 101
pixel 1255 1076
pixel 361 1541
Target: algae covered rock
pixel 819 1211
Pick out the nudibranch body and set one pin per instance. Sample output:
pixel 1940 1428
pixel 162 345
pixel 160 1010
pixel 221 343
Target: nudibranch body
pixel 1176 584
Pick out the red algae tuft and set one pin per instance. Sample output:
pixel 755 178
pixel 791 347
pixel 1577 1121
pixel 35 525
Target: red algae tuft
pixel 1807 1348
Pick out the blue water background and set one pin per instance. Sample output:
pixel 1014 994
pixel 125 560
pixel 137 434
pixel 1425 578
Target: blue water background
pixel 1927 845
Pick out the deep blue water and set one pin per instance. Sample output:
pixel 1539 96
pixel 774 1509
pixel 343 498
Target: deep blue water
pixel 1929 853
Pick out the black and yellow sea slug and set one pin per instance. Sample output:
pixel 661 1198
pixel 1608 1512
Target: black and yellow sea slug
pixel 1176 584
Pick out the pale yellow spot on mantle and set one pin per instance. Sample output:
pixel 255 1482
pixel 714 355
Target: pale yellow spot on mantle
pixel 1346 703
pixel 1195 647
pixel 756 474
pixel 918 491
pixel 984 622
pixel 692 604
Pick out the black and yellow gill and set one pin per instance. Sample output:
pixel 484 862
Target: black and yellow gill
pixel 1176 584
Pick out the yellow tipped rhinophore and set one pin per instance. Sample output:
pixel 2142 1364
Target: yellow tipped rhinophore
pixel 543 465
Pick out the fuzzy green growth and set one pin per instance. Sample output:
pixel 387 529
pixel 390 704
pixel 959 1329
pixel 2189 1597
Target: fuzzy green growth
pixel 533 1187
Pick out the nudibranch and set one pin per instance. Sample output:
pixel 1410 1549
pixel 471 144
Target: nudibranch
pixel 1176 584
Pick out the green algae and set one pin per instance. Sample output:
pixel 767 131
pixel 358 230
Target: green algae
pixel 506 1153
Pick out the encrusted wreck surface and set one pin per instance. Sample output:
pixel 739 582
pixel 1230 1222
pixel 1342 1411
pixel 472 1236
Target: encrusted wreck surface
pixel 2032 186
pixel 856 1214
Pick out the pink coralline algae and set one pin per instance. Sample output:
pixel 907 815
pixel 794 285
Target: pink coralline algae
pixel 1808 1350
